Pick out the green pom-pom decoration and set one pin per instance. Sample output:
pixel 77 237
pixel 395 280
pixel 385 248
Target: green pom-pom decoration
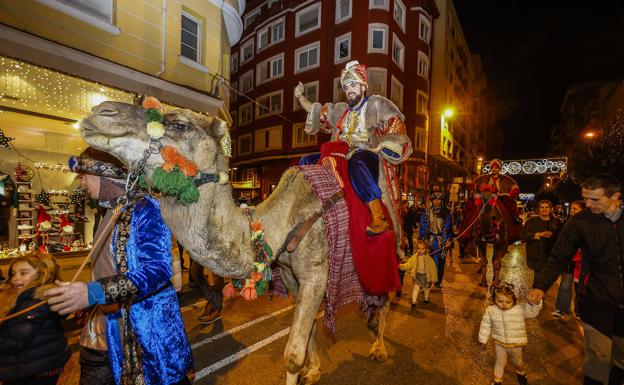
pixel 176 184
pixel 153 115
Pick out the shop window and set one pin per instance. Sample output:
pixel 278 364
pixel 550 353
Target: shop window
pixel 399 14
pixel 246 81
pixel 377 81
pixel 300 138
pixel 268 139
pixel 244 145
pixel 247 51
pixel 343 10
pixel 424 29
pixel 342 48
pixel 269 103
pixel 311 92
pixel 245 114
pixel 191 37
pixel 308 19
pixel 396 93
pixel 377 38
pixel 381 4
pixel 307 57
pixel 270 69
pixel 423 65
pixel 398 51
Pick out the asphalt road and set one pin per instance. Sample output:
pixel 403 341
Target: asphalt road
pixel 434 343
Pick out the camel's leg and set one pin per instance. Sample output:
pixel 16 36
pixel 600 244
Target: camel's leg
pixel 497 261
pixel 311 293
pixel 378 350
pixel 484 261
pixel 311 372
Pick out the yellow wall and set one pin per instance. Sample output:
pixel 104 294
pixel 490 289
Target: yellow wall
pixel 138 44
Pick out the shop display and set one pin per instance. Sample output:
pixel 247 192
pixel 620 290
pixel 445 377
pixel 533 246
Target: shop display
pixel 25 213
pixel 4 140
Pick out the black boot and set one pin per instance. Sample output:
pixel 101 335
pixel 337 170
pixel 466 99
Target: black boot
pixel 522 378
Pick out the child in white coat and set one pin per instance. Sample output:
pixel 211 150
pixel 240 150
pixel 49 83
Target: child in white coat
pixel 422 269
pixel 504 322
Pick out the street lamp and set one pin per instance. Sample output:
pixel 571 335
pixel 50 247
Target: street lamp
pixel 590 135
pixel 449 112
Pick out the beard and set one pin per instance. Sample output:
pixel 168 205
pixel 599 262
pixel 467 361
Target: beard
pixel 353 99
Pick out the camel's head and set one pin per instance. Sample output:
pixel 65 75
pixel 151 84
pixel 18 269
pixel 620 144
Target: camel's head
pixel 121 130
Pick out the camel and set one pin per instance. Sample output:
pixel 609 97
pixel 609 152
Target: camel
pixel 216 232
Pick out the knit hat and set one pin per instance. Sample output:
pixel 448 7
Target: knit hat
pixel 44 222
pixel 354 72
pixel 98 163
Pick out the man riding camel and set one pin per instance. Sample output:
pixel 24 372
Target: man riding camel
pixel 372 126
pixel 504 187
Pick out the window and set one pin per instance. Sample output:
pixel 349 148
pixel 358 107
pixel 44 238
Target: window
pixel 246 81
pixel 311 92
pixel 191 38
pixel 234 116
pixel 263 39
pixel 271 2
pixel 419 139
pixel 423 65
pixel 382 4
pixel 247 51
pixel 268 139
pixel 234 62
pixel 233 92
pixel 245 114
pixel 102 10
pixel 342 49
pixel 377 81
pixel 424 29
pixel 399 14
pixel 307 57
pixel 251 17
pixel 277 31
pixel 377 36
pixel 398 51
pixel 396 93
pixel 244 144
pixel 339 95
pixel 269 103
pixel 421 103
pixel 343 10
pixel 308 19
pixel 300 138
pixel 270 69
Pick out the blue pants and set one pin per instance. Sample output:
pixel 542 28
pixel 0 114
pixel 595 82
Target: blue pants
pixel 363 169
pixel 564 296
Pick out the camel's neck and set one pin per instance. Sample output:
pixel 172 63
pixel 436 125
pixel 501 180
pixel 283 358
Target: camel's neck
pixel 213 230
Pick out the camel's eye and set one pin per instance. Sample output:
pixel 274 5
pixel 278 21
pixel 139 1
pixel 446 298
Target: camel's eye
pixel 178 126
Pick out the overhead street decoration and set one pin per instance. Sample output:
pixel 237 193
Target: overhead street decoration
pixel 532 166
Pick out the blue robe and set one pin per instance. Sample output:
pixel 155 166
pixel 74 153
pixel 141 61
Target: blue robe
pixel 436 234
pixel 155 314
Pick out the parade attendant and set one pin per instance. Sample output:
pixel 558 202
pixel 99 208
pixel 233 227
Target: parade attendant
pixel 435 228
pixel 372 126
pixel 144 334
pixel 504 321
pixel 33 347
pixel 598 232
pixel 540 233
pixel 422 269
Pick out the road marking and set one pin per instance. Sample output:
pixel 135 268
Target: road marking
pixel 245 352
pixel 240 327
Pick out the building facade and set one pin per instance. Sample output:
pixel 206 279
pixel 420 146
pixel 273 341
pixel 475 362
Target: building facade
pixel 461 117
pixel 286 42
pixel 60 58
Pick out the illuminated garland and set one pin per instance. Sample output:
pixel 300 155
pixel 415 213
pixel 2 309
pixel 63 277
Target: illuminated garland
pixel 52 167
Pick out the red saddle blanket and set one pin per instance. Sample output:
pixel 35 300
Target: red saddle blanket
pixel 374 257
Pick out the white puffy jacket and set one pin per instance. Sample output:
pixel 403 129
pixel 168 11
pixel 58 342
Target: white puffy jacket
pixel 507 326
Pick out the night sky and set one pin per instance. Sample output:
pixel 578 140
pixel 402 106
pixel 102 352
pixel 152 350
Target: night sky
pixel 532 51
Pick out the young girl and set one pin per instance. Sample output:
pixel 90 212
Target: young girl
pixel 422 269
pixel 33 348
pixel 504 321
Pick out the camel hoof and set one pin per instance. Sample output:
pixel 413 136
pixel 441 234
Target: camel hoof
pixel 371 356
pixel 309 378
pixel 381 356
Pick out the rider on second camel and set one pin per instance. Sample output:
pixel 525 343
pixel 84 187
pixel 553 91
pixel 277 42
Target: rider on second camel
pixel 373 127
pixel 505 187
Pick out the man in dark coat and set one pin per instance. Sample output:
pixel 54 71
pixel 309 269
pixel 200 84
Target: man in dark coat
pixel 540 233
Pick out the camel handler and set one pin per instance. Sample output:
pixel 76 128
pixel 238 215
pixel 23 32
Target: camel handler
pixel 372 126
pixel 135 333
pixel 505 187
